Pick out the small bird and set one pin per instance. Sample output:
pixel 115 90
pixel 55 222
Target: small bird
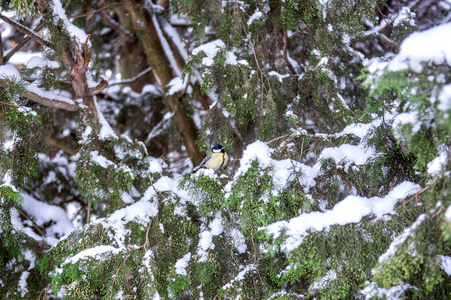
pixel 215 160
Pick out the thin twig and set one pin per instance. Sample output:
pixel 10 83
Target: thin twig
pixel 23 214
pixel 100 9
pixel 9 104
pixel 88 217
pixel 146 243
pixel 255 259
pixel 415 196
pixel 256 60
pixel 231 254
pixel 277 138
pixel 115 276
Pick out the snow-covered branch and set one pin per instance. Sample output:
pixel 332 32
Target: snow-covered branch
pixel 24 30
pixel 46 98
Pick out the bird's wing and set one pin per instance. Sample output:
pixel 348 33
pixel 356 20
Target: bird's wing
pixel 201 164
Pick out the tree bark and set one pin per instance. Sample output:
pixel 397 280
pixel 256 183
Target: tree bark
pixel 74 57
pixel 161 66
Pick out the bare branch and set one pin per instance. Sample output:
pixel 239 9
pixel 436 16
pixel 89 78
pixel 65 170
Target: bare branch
pixel 285 52
pixel 118 28
pixel 131 80
pixel 101 9
pixel 58 144
pixel 99 87
pixel 1 49
pixel 22 42
pixel 24 30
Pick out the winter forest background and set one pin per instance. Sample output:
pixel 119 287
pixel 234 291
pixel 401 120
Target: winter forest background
pixel 336 115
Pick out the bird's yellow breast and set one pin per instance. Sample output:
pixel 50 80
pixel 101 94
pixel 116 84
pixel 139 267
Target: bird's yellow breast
pixel 217 160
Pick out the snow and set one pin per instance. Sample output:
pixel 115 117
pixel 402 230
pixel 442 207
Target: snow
pixel 445 98
pixel 73 30
pixel 17 225
pixel 418 48
pixel 438 164
pixel 175 38
pixel 407 118
pixel 150 89
pixel 43 213
pixel 7 180
pixel 29 256
pixel 405 15
pixel 127 198
pixel 258 151
pixel 8 71
pixel 448 213
pixel 156 165
pixel 23 283
pixel 400 239
pixel 167 49
pixel 101 160
pixel 321 5
pixel 395 292
pixel 348 154
pixel 284 171
pixel 105 131
pixel 238 240
pixel 350 210
pixel 39 62
pixel 279 76
pixel 323 281
pixel 51 95
pixel 216 225
pixel 231 58
pixel 358 129
pixel 255 17
pixel 182 263
pixel 241 275
pixel 210 49
pixel 165 183
pixel 445 263
pixel 141 211
pixel 95 252
pixel 205 243
pixel 21 57
pixel 176 85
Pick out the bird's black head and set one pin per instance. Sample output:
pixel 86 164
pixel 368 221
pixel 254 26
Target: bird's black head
pixel 217 148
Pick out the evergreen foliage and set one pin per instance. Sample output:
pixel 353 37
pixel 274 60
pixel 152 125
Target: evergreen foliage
pixel 336 116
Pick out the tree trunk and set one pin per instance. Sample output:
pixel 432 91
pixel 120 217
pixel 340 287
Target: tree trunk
pixel 157 59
